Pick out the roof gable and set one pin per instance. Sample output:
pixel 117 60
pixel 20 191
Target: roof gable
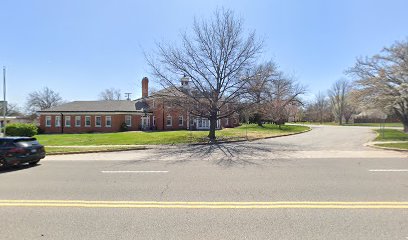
pixel 95 106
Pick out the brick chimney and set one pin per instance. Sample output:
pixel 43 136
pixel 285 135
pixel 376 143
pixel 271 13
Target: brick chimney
pixel 145 87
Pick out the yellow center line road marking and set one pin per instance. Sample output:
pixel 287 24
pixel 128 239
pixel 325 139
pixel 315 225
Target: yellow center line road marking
pixel 203 205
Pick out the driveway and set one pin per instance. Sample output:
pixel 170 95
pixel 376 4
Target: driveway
pixel 320 142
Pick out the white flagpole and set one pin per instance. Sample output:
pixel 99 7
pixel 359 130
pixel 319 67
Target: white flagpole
pixel 4 100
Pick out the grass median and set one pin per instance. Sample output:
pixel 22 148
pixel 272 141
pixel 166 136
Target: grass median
pixel 396 146
pixel 244 132
pixel 390 135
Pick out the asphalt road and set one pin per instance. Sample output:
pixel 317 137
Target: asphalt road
pixel 309 186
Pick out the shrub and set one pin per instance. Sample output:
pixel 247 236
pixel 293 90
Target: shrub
pixel 40 130
pixel 123 127
pixel 21 129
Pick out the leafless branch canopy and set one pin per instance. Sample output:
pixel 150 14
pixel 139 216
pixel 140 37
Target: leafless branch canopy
pixel 110 94
pixel 338 94
pixel 42 99
pixel 214 57
pixel 382 80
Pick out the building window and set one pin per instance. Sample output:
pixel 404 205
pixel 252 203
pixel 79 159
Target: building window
pixel 87 121
pixel 169 121
pixel 154 121
pixel 180 122
pixel 77 121
pixel 57 121
pixel 128 120
pixel 145 122
pixel 98 121
pixel 68 121
pixel 203 123
pixel 108 121
pixel 48 121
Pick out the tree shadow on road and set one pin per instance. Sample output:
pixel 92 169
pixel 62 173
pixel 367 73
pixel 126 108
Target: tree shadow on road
pixel 224 155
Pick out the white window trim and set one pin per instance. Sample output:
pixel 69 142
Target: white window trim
pixel 58 123
pixel 100 122
pixel 67 119
pixel 154 121
pixel 89 121
pixel 130 120
pixel 46 121
pixel 145 120
pixel 171 121
pixel 182 121
pixel 106 121
pixel 80 119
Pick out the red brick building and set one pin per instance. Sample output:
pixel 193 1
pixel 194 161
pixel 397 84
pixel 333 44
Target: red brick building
pixel 151 112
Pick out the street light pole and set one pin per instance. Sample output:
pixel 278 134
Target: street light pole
pixel 4 100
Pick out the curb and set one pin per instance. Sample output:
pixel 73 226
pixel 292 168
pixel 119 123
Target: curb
pixel 386 148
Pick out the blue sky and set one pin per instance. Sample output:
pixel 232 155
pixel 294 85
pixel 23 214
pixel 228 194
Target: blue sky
pixel 81 47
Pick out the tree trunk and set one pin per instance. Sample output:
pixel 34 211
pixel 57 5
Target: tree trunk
pixel 258 119
pixel 403 117
pixel 213 126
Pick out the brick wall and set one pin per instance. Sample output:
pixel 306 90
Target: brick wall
pixel 117 120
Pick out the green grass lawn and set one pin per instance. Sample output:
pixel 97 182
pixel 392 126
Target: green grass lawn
pixel 250 132
pixel 391 135
pixel 403 146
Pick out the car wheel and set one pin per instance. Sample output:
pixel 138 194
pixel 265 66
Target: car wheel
pixel 34 163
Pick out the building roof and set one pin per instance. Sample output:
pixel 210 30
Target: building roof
pixel 95 106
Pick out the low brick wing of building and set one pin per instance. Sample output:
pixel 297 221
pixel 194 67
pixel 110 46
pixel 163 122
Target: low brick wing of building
pixel 150 112
pixel 90 116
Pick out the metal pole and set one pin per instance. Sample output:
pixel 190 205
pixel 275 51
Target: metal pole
pixel 383 130
pixel 4 100
pixel 246 131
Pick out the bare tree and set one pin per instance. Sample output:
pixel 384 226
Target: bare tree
pixel 285 92
pixel 382 80
pixel 110 94
pixel 42 99
pixel 322 106
pixel 214 57
pixel 257 91
pixel 11 109
pixel 338 98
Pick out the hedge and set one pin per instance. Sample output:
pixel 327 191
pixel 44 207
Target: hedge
pixel 21 129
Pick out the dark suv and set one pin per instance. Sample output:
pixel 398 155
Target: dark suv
pixel 18 150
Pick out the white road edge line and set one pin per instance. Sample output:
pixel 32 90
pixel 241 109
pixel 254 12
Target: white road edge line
pixel 134 171
pixel 388 170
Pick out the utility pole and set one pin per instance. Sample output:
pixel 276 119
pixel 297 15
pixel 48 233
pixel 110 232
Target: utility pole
pixel 128 96
pixel 4 101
